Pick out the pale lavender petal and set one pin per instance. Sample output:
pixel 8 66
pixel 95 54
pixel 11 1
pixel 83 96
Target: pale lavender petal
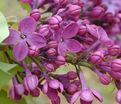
pixel 100 34
pixel 27 25
pixel 62 49
pixel 97 95
pixel 20 51
pixel 70 31
pixel 19 88
pixel 61 87
pixel 73 45
pixel 45 88
pixel 36 40
pixel 118 96
pixel 103 37
pixel 75 97
pixel 13 38
pixel 86 95
pixel 92 31
pixel 58 35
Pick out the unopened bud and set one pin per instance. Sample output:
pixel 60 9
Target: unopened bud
pixel 116 65
pixel 55 21
pixel 35 14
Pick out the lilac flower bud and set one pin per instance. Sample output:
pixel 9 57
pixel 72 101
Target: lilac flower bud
pixel 97 11
pixel 56 65
pixel 60 60
pixel 114 50
pixel 71 88
pixel 74 10
pixel 35 14
pixel 49 67
pixel 116 75
pixel 52 44
pixel 33 51
pixel 82 30
pixel 71 75
pixel 13 95
pixel 116 65
pixel 44 31
pixel 104 79
pixel 86 95
pixel 30 82
pixel 55 21
pixel 109 17
pixel 54 84
pixel 97 57
pixel 51 52
pixel 77 82
pixel 35 69
pixel 19 89
pixel 118 96
pixel 36 72
pixel 35 92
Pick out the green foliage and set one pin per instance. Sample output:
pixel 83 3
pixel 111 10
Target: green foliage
pixel 4 32
pixel 4 99
pixel 6 72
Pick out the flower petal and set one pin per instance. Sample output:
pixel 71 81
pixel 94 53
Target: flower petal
pixel 62 49
pixel 61 87
pixel 58 35
pixel 73 45
pixel 20 51
pixel 92 31
pixel 36 40
pixel 70 31
pixel 52 94
pixel 97 95
pixel 45 88
pixel 75 97
pixel 103 37
pixel 13 37
pixel 27 25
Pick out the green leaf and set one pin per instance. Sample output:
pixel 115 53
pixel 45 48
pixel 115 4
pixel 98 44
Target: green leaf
pixel 4 31
pixel 4 99
pixel 6 67
pixel 4 78
pixel 7 71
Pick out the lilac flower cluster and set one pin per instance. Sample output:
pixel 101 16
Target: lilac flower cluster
pixel 81 33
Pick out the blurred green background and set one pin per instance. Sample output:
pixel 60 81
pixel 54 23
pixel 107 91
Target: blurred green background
pixel 14 9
